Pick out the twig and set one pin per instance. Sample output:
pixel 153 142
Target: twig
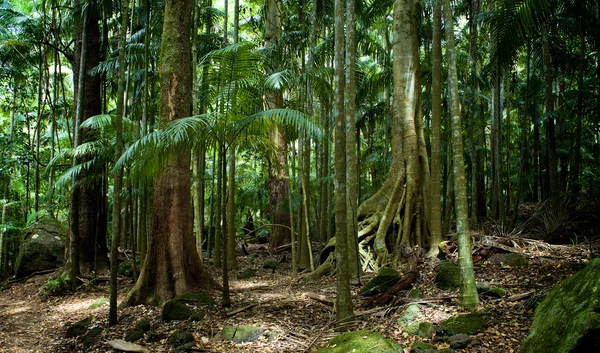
pixel 320 298
pixel 237 311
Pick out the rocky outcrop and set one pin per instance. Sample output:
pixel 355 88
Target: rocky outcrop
pixel 42 248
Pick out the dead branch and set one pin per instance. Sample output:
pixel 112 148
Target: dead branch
pixel 239 310
pixel 320 298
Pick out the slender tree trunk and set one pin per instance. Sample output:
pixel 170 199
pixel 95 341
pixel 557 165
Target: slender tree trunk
pixel 344 311
pixel 468 297
pixel 436 119
pixel 231 258
pixel 554 178
pixel 576 168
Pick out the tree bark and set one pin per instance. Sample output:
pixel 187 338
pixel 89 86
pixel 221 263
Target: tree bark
pixel 172 265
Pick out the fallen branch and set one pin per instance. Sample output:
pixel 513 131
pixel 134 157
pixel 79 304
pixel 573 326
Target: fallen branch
pixel 320 298
pixel 239 310
pixel 517 297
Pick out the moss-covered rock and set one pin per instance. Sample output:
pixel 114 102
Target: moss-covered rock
pixel 409 315
pixel 360 342
pixel 137 331
pixel 469 324
pixel 271 265
pixel 176 310
pixel 126 267
pixel 181 340
pixel 241 334
pixel 197 316
pixel 246 274
pixel 422 329
pixel 494 292
pixel 42 248
pixel 568 320
pixel 510 259
pixel 385 279
pixel 448 276
pixel 196 297
pixel 90 337
pixel 79 328
pixel 422 347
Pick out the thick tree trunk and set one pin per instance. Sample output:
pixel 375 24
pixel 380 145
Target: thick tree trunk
pixel 172 265
pixel 90 215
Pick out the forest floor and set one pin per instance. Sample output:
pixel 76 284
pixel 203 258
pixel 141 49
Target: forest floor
pixel 292 321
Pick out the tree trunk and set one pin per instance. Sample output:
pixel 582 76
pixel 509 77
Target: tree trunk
pixel 554 178
pixel 172 266
pixel 468 297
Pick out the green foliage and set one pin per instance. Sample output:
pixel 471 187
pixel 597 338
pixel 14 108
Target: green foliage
pixel 58 286
pixel 98 303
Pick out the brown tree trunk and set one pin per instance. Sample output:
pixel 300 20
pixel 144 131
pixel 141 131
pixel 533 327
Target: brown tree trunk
pixel 172 265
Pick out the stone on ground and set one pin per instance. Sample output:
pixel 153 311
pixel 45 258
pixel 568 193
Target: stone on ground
pixel 42 248
pixel 459 341
pixel 181 340
pixel 79 328
pixel 409 315
pixel 361 342
pixel 448 276
pixel 385 279
pixel 176 310
pixel 467 324
pixel 137 331
pixel 241 334
pixel 568 320
pixel 421 328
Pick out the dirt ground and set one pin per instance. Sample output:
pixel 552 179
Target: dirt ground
pixel 292 321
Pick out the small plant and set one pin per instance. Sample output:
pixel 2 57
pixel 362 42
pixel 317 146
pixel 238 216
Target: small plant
pixel 98 303
pixel 57 286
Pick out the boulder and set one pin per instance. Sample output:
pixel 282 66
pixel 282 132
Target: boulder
pixel 459 341
pixel 361 342
pixel 448 276
pixel 422 347
pixel 42 249
pixel 568 320
pixel 409 315
pixel 91 336
pixel 79 328
pixel 467 324
pixel 421 328
pixel 176 310
pixel 137 331
pixel 241 334
pixel 181 340
pixel 385 279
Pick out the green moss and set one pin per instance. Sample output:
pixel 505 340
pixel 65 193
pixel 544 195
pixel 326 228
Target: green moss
pixel 198 316
pixel 411 312
pixel 138 331
pixel 126 267
pixel 91 336
pixel 79 328
pixel 448 276
pixel 196 297
pixel 271 265
pixel 360 342
pixel 468 324
pixel 385 279
pixel 98 303
pixel 568 320
pixel 241 334
pixel 246 274
pixel 422 347
pixel 181 340
pixel 175 310
pixel 421 329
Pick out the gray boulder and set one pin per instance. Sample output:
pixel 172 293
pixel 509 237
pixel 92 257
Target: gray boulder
pixel 42 248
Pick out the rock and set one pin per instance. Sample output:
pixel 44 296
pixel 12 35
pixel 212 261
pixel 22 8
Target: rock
pixel 271 265
pixel 197 316
pixel 241 334
pixel 246 274
pixel 422 347
pixel 459 341
pixel 91 336
pixel 137 331
pixel 510 259
pixel 495 292
pixel 361 342
pixel 448 276
pixel 124 346
pixel 79 328
pixel 408 316
pixel 568 320
pixel 126 267
pixel 181 340
pixel 176 310
pixel 196 297
pixel 467 324
pixel 422 329
pixel 385 279
pixel 42 248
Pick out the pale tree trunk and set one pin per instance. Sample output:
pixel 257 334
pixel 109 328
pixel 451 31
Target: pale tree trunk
pixel 344 311
pixel 231 254
pixel 351 140
pixel 172 266
pixel 436 119
pixel 278 180
pixel 468 297
pixel 118 178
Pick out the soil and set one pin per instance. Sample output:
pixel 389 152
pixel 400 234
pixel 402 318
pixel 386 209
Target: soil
pixel 293 322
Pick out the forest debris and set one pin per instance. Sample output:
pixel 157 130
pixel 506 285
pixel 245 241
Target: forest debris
pixel 239 310
pixel 320 298
pixel 404 283
pixel 125 346
pixel 521 296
